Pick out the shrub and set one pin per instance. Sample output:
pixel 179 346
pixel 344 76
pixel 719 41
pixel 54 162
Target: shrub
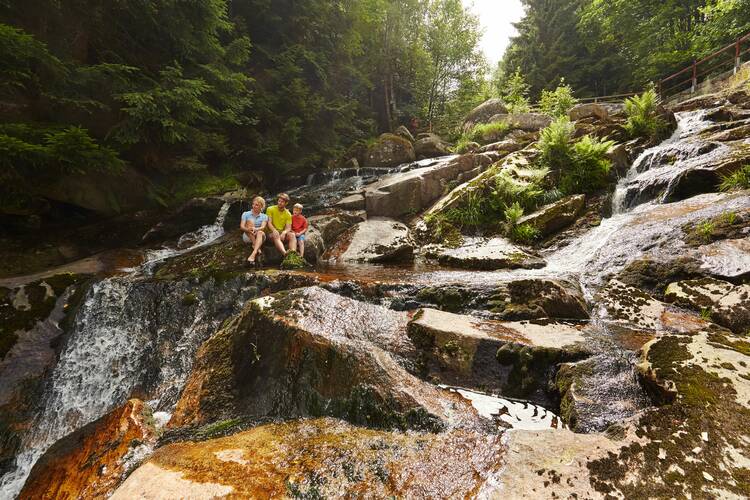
pixel 509 191
pixel 558 102
pixel 489 132
pixel 525 233
pixel 705 230
pixel 643 118
pixel 739 179
pixel 555 144
pixel 515 93
pixel 462 145
pixel 589 166
pixel 513 213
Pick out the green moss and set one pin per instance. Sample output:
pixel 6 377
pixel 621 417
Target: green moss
pixel 703 404
pixel 450 299
pixel 189 299
pixel 293 261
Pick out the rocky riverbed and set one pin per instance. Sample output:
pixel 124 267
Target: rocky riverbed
pixel 609 358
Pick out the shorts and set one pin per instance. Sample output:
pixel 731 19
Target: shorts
pixel 246 238
pixel 301 237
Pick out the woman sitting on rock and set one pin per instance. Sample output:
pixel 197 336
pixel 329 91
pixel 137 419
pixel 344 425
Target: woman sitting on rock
pixel 253 226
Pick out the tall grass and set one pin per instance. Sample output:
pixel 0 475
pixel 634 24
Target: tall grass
pixel 736 180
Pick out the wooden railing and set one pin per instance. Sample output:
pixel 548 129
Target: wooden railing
pixel 728 59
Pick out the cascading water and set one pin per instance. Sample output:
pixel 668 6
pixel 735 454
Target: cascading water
pixel 130 336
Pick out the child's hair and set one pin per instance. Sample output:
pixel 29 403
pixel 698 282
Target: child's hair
pixel 261 200
pixel 298 205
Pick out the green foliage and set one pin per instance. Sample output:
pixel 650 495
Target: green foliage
pixel 706 314
pixel 558 102
pixel 514 90
pixel 513 213
pixel 463 144
pixel 739 179
pixel 589 168
pixel 729 218
pixel 643 118
pixel 525 234
pixel 704 230
pixel 583 164
pixel 443 231
pixel 555 144
pixel 489 132
pixel 293 261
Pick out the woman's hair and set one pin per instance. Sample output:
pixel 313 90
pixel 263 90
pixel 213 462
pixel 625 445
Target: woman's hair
pixel 261 200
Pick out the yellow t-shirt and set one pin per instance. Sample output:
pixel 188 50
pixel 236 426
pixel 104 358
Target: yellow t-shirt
pixel 278 218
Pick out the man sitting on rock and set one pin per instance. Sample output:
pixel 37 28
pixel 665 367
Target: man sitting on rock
pixel 280 227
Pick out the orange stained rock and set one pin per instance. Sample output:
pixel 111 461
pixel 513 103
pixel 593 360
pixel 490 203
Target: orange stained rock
pixel 332 458
pixel 88 463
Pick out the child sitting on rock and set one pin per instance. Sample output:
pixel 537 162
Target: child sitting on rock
pixel 299 228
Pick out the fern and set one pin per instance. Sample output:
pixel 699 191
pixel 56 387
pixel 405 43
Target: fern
pixel 643 118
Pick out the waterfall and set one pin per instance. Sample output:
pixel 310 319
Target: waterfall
pixel 130 336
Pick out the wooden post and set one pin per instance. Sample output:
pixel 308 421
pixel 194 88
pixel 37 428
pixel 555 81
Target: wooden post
pixel 695 77
pixel 737 56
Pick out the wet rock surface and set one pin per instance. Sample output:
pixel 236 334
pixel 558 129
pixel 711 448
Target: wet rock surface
pixel 487 254
pixel 313 353
pixel 374 240
pixel 321 458
pixel 724 303
pixel 90 462
pixel 513 359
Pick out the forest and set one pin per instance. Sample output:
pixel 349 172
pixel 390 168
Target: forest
pixel 166 99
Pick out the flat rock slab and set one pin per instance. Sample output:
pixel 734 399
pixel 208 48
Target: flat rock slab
pixel 408 193
pixel 321 458
pixel 555 216
pixel 374 240
pixel 310 352
pixel 726 304
pixel 351 202
pixel 727 259
pixel 485 254
pixel 472 352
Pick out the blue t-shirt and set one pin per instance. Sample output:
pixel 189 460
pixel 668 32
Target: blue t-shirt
pixel 257 220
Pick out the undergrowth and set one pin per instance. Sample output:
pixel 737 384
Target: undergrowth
pixel 736 180
pixel 643 117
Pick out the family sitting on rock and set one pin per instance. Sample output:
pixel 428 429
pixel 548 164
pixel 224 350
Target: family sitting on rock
pixel 277 223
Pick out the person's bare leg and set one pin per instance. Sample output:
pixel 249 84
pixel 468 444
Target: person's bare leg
pixel 279 244
pixel 292 242
pixel 249 238
pixel 258 241
pixel 301 244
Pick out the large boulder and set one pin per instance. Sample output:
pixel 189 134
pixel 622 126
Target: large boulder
pixel 320 458
pixel 485 254
pixel 551 218
pixel 331 224
pixel 431 146
pixel 528 122
pixel 389 151
pixel 408 193
pixel 309 352
pixel 402 131
pixel 192 215
pixel 537 299
pixel 725 303
pixel 515 359
pixel 588 110
pixel 483 113
pixel 374 240
pixel 351 202
pixel 91 461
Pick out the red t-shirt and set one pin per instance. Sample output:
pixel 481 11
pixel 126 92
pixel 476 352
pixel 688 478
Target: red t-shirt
pixel 299 223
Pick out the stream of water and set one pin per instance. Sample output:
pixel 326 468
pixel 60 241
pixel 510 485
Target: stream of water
pixel 109 355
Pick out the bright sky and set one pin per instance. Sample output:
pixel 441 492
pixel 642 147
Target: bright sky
pixel 496 17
